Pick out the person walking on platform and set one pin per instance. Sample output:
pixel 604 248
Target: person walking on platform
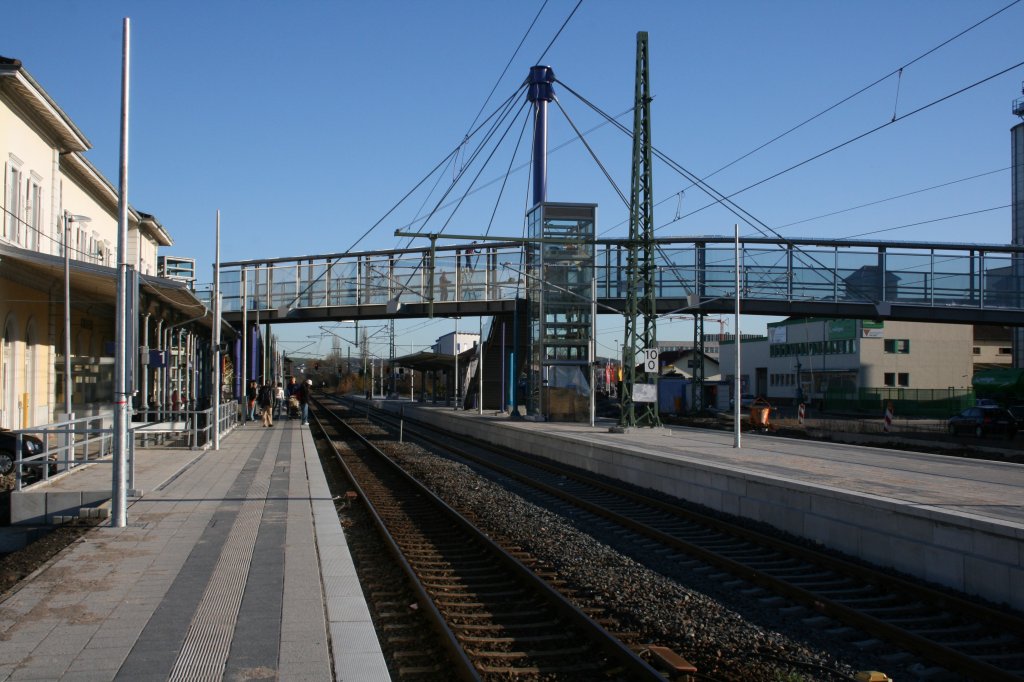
pixel 289 393
pixel 266 400
pixel 278 400
pixel 303 393
pixel 250 395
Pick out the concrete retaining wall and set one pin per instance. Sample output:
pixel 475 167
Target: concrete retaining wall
pixel 42 508
pixel 975 555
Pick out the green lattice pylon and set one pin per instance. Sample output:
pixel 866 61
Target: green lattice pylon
pixel 640 267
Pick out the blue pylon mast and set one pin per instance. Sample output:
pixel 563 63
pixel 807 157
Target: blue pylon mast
pixel 641 269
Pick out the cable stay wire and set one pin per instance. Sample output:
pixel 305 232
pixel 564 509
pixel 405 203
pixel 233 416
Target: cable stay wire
pixel 500 77
pixel 496 118
pixel 524 166
pixel 483 166
pixel 508 172
pixel 447 159
pixel 726 201
pixel 509 63
pixel 562 28
pixel 593 155
pixel 728 257
pixel 844 100
pixel 469 162
pixel 892 198
pixel 927 222
pixel 433 170
pixel 508 107
pixel 458 203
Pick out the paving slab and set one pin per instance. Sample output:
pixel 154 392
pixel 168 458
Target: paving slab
pixel 217 573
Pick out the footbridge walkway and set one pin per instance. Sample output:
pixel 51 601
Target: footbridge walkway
pixel 914 281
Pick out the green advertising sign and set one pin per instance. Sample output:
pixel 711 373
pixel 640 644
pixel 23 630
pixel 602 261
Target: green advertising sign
pixel 839 330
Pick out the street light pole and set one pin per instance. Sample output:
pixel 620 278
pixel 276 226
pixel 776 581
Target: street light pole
pixel 69 416
pixel 215 302
pixel 68 219
pixel 456 350
pixel 119 504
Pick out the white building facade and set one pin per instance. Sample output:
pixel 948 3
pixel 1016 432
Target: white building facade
pixel 54 202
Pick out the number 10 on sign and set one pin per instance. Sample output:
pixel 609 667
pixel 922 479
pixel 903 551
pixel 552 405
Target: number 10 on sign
pixel 649 356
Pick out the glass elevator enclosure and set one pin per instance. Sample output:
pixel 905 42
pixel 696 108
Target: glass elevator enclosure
pixel 560 270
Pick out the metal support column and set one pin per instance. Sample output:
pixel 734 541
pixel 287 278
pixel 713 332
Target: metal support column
pixel 640 332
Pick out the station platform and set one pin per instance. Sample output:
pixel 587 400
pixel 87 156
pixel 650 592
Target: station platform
pixel 952 521
pixel 233 565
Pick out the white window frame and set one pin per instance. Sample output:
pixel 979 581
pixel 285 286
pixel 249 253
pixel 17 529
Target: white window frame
pixel 13 200
pixel 33 212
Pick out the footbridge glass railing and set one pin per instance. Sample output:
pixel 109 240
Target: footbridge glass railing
pixel 810 271
pixel 446 274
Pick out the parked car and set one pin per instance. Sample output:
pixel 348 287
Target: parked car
pixel 1018 415
pixel 982 421
pixel 30 446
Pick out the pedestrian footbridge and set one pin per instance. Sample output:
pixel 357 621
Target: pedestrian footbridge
pixel 965 283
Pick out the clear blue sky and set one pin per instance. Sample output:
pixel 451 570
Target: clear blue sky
pixel 303 122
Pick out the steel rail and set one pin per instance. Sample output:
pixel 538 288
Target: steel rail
pixel 634 666
pixel 947 657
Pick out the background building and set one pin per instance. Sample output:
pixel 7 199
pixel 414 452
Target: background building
pixel 808 360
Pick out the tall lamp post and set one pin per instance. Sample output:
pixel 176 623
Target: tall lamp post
pixel 68 219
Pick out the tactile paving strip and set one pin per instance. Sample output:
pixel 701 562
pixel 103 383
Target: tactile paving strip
pixel 208 642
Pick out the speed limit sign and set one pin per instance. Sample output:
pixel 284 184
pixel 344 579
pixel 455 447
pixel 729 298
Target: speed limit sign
pixel 650 360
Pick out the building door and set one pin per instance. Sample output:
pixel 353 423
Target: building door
pixel 761 381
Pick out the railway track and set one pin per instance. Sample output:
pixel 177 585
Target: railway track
pixel 494 617
pixel 949 631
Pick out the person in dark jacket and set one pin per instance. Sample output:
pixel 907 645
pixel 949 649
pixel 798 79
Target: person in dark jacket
pixel 303 393
pixel 290 391
pixel 266 400
pixel 251 393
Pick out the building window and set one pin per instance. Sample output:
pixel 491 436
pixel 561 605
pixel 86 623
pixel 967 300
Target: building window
pixel 890 379
pixel 1003 350
pixel 897 346
pixel 903 379
pixel 34 213
pixel 13 204
pixel 977 350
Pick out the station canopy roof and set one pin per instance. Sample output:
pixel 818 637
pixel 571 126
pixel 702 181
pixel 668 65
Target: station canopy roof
pixel 427 361
pixel 96 284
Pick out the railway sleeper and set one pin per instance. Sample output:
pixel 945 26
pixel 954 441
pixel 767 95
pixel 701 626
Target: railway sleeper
pixel 665 658
pixel 936 626
pixel 439 571
pixel 532 654
pixel 531 626
pixel 460 583
pixel 821 583
pixel 404 671
pixel 413 654
pixel 535 670
pixel 513 640
pixel 979 647
pixel 477 605
pixel 471 582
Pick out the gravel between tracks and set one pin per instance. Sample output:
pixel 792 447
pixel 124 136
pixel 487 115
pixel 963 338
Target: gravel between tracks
pixel 722 644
